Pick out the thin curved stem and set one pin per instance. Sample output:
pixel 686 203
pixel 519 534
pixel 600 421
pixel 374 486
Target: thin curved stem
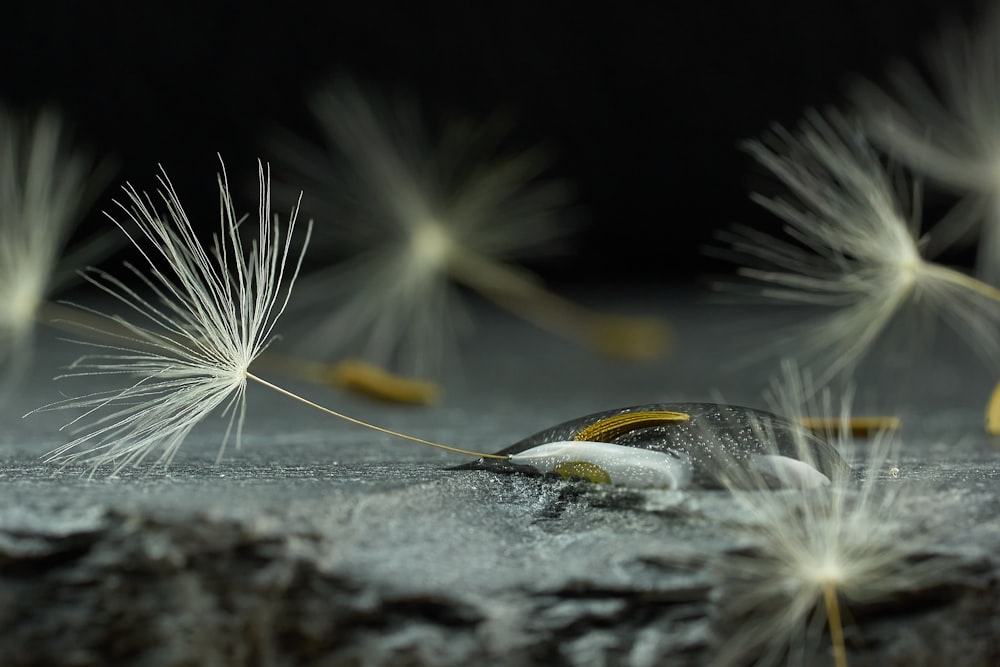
pixel 627 337
pixel 962 280
pixel 306 401
pixel 833 620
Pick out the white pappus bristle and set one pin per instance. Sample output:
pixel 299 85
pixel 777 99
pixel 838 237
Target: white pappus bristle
pixel 948 129
pixel 44 185
pixel 852 247
pixel 204 315
pixel 414 217
pixel 805 558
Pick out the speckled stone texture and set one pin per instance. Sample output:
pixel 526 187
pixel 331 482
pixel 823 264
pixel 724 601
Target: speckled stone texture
pixel 318 543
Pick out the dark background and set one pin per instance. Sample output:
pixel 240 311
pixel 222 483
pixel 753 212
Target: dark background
pixel 642 103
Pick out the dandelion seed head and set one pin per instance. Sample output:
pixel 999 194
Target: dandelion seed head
pixel 850 543
pixel 828 571
pixel 430 247
pixel 413 217
pixel 44 186
pixel 21 303
pixel 850 244
pixel 947 130
pixel 203 315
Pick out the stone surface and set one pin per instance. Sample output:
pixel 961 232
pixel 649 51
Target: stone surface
pixel 319 543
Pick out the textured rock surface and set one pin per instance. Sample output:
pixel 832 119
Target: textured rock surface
pixel 318 543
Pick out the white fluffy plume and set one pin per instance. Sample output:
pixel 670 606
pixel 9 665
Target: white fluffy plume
pixel 417 217
pixel 44 185
pixel 205 313
pixel 851 246
pixel 805 558
pixel 948 129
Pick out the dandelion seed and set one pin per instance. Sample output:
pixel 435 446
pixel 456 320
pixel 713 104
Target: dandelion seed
pixel 859 426
pixel 44 188
pixel 993 412
pixel 356 376
pixel 806 557
pixel 207 315
pixel 851 246
pixel 417 220
pixel 949 130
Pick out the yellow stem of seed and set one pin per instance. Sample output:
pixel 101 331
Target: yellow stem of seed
pixel 962 280
pixel 373 427
pixel 833 620
pixel 993 412
pixel 633 338
pixel 355 376
pixel 858 427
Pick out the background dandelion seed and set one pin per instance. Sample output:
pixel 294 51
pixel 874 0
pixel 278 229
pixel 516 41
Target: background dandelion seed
pixel 415 218
pixel 810 555
pixel 45 186
pixel 946 129
pixel 851 245
pixel 408 213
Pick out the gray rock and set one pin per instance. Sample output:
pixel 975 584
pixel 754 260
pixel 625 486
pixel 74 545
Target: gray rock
pixel 321 544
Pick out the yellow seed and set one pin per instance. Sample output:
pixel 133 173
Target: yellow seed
pixel 374 382
pixel 993 412
pixel 583 470
pixel 606 430
pixel 861 427
pixel 631 338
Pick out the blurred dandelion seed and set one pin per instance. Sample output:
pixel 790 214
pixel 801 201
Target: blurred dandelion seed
pixel 948 130
pixel 851 246
pixel 993 412
pixel 808 554
pixel 357 376
pixel 208 315
pixel 44 187
pixel 419 219
pixel 860 426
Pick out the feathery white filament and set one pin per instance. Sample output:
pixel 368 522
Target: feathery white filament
pixel 417 218
pixel 206 315
pixel 949 132
pixel 43 187
pixel 851 246
pixel 806 552
pixel 852 539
